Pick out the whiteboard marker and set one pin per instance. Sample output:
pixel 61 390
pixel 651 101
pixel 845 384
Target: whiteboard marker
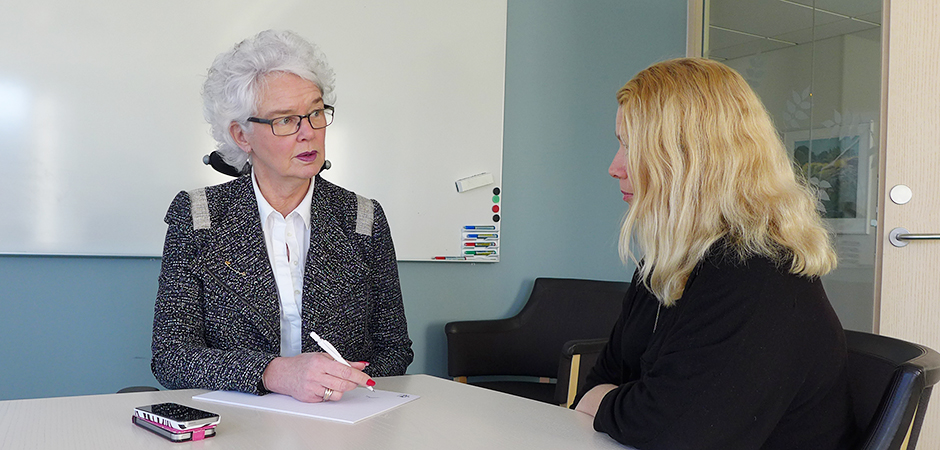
pixel 482 236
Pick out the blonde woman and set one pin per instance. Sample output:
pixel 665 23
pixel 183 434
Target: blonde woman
pixel 727 339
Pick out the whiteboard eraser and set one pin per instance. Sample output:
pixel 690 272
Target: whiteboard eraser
pixel 473 182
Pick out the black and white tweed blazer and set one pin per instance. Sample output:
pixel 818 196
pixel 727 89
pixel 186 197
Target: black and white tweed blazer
pixel 216 320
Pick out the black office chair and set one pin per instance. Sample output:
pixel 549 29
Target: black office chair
pixel 530 344
pixel 130 389
pixel 216 161
pixel 891 381
pixel 577 359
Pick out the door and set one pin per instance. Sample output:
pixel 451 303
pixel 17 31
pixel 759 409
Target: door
pixel 907 280
pixel 872 67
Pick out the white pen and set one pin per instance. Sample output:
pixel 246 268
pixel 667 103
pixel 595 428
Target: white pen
pixel 325 345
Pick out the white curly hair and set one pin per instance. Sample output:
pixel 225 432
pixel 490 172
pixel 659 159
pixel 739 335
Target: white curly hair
pixel 232 88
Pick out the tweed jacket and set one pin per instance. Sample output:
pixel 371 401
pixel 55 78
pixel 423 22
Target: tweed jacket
pixel 217 315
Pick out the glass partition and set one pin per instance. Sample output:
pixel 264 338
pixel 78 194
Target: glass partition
pixel 817 67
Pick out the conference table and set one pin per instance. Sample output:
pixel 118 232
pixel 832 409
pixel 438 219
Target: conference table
pixel 448 415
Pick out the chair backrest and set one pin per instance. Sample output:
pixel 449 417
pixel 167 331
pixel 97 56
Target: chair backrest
pixel 891 381
pixel 558 310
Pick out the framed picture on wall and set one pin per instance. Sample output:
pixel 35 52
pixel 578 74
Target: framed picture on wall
pixel 837 163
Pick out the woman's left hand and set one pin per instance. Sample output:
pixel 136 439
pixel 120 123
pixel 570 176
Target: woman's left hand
pixel 314 377
pixel 592 399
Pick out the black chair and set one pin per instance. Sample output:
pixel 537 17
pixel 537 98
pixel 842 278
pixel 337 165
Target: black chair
pixel 530 344
pixel 891 381
pixel 215 161
pixel 577 359
pixel 130 389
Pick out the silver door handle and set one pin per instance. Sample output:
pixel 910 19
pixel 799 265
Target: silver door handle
pixel 899 237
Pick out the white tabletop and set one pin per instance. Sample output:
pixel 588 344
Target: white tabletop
pixel 449 415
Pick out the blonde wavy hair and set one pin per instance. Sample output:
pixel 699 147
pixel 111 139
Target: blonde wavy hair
pixel 706 165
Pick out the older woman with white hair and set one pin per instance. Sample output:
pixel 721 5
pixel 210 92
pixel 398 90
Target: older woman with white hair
pixel 252 266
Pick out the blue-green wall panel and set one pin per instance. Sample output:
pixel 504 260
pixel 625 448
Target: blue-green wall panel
pixel 75 326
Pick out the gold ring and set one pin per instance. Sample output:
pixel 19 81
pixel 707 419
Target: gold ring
pixel 327 394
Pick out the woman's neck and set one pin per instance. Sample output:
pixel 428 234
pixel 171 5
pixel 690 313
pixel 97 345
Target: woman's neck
pixel 284 196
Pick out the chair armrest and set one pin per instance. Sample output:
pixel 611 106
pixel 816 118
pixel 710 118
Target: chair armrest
pixel 136 389
pixel 575 362
pixel 583 346
pixel 482 326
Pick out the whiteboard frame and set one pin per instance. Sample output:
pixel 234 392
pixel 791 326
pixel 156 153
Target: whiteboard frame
pixel 79 188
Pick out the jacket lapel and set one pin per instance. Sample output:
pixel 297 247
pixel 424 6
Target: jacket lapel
pixel 237 255
pixel 326 273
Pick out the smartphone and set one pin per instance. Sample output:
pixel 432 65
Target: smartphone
pixel 173 435
pixel 176 416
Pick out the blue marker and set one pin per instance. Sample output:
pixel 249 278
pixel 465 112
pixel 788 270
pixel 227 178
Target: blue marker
pixel 482 235
pixel 479 227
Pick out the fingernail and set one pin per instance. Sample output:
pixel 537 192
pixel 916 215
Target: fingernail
pixel 364 362
pixel 370 383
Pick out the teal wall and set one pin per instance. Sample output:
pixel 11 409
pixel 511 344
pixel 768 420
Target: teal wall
pixel 81 325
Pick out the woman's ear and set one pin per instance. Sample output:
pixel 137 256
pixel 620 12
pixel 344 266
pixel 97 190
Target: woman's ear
pixel 238 134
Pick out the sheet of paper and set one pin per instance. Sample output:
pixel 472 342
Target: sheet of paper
pixel 355 405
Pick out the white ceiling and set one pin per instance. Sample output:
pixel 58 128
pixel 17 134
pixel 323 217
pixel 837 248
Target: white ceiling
pixel 740 28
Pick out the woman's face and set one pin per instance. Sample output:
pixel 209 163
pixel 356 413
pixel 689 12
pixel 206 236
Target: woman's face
pixel 284 160
pixel 618 167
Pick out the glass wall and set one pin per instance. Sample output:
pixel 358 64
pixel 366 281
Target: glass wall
pixel 817 67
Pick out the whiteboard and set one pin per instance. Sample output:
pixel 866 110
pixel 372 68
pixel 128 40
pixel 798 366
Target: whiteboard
pixel 101 116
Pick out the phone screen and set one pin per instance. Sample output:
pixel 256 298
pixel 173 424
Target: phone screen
pixel 177 412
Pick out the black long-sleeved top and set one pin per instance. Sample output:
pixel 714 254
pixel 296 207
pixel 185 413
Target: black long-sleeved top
pixel 750 357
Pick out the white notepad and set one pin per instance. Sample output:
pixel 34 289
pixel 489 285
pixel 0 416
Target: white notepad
pixel 355 405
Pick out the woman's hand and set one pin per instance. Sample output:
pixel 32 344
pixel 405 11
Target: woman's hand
pixel 307 377
pixel 592 399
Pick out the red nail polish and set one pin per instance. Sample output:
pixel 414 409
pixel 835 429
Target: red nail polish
pixel 370 383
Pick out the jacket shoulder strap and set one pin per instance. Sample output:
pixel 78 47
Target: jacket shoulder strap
pixel 199 207
pixel 365 214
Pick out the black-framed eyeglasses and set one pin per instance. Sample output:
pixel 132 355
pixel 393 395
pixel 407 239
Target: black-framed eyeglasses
pixel 288 125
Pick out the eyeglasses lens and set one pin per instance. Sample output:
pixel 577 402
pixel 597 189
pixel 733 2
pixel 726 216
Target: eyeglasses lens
pixel 289 125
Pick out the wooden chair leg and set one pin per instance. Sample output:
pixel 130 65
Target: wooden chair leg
pixel 907 438
pixel 573 379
